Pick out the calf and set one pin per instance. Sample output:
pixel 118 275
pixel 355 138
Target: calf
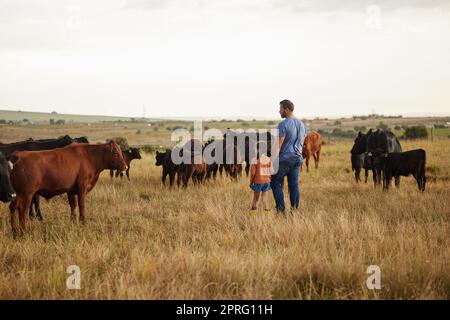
pixel 312 147
pixel 7 192
pixel 396 164
pixel 170 169
pixel 129 155
pixel 74 170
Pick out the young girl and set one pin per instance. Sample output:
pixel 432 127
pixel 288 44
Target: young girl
pixel 260 173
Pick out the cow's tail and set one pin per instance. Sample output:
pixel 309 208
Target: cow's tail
pixel 422 171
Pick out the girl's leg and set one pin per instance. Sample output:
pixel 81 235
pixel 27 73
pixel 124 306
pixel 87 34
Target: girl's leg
pixel 255 200
pixel 265 200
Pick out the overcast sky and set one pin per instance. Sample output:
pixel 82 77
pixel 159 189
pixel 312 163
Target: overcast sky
pixel 225 58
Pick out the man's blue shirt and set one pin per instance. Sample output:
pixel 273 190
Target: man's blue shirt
pixel 293 130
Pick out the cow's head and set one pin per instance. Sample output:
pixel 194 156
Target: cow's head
pixel 81 140
pixel 114 156
pixel 160 158
pixel 134 153
pixel 7 192
pixel 377 158
pixel 360 145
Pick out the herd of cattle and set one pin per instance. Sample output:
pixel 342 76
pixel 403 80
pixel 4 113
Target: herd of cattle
pixel 50 167
pixel 381 152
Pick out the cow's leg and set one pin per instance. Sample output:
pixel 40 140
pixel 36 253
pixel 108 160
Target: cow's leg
pixel 315 160
pixel 164 175
pixel 111 173
pixel 318 158
pixel 186 176
pixel 73 206
pixel 171 179
pixel 386 181
pixel 128 173
pixel 37 207
pixel 121 174
pixel 12 211
pixel 221 169
pixel 247 168
pixel 357 172
pixel 23 208
pixel 307 163
pixel 179 177
pixel 82 205
pixel 117 173
pixel 366 173
pixel 397 182
pixel 32 211
pixel 203 176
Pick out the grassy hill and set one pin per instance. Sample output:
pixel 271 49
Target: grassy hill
pixel 40 117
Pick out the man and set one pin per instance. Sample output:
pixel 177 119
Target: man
pixel 291 134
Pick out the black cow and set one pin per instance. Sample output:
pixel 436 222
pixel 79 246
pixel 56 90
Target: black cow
pixel 381 141
pixel 7 192
pixel 129 155
pixel 396 164
pixel 38 145
pixel 170 169
pixel 359 158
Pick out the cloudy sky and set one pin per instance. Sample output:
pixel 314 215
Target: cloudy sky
pixel 225 58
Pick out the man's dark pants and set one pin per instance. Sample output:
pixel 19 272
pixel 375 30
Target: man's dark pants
pixel 287 168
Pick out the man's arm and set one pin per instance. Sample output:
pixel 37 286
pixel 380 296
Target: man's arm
pixel 252 173
pixel 280 142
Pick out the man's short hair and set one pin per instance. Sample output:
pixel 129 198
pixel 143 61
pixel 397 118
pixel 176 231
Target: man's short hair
pixel 287 104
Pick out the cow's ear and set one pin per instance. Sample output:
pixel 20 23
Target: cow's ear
pixel 12 160
pixel 359 134
pixel 111 145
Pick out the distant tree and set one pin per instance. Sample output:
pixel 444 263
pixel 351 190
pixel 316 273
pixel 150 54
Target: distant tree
pixel 2 121
pixel 397 127
pixel 270 123
pixel 60 122
pixel 54 112
pixel 416 132
pixel 52 122
pixel 360 128
pixel 337 123
pixel 139 131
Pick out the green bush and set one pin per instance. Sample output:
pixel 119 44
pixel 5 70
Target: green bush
pixel 122 142
pixel 382 126
pixel 416 132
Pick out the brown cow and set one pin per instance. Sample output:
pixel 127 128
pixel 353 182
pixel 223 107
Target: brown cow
pixel 195 168
pixel 74 170
pixel 312 146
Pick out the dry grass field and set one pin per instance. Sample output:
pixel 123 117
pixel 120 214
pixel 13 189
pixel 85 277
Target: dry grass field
pixel 144 241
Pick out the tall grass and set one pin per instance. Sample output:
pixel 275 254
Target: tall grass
pixel 145 241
